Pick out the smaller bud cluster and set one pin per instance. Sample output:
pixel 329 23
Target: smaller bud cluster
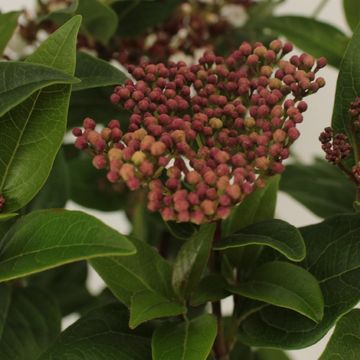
pixel 203 137
pixel 336 146
pixel 354 112
pixel 2 203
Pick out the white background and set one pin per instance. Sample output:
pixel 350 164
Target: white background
pixel 317 117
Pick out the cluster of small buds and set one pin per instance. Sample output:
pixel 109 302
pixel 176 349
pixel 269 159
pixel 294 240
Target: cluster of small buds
pixel 194 25
pixel 354 112
pixel 336 146
pixel 203 137
pixel 2 203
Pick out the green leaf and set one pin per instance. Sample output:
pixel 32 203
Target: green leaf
pixel 146 270
pixel 94 72
pixel 135 17
pixel 67 284
pixel 101 334
pixel 347 89
pixel 22 79
pixel 49 238
pixel 211 288
pixel 333 249
pixel 100 20
pixel 191 261
pixel 311 35
pixel 147 305
pixel 345 341
pixel 190 340
pixel 30 323
pixel 182 231
pixel 55 193
pixel 90 188
pixel 320 186
pixel 352 13
pixel 96 104
pixel 277 234
pixel 33 131
pixel 286 285
pixel 271 354
pixel 8 24
pixel 257 207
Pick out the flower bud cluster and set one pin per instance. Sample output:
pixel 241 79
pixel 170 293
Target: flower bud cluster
pixel 2 203
pixel 354 112
pixel 203 137
pixel 194 25
pixel 336 146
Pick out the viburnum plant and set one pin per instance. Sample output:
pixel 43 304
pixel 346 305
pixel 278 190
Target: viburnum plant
pixel 193 152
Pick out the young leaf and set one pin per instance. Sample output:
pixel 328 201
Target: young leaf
pixel 313 36
pixel 146 270
pixel 21 79
pixel 8 24
pixel 100 20
pixel 190 340
pixel 49 238
pixel 333 250
pixel 259 206
pixel 321 187
pixel 347 89
pixel 352 13
pixel 135 17
pixel 30 323
pixel 94 72
pixel 33 131
pixel 277 234
pixel 147 305
pixel 286 285
pixel 101 334
pixel 345 341
pixel 191 261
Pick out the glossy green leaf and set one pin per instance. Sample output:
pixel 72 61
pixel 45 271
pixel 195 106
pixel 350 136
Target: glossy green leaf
pixel 182 231
pixel 190 340
pixel 259 206
pixel 313 36
pixel 102 334
pixel 49 238
pixel 320 186
pixel 347 89
pixel 191 261
pixel 212 287
pixel 94 72
pixel 333 257
pixel 147 305
pixel 100 20
pixel 271 354
pixel 22 79
pixel 352 12
pixel 277 234
pixel 33 131
pixel 345 341
pixel 8 24
pixel 285 285
pixel 90 188
pixel 146 270
pixel 96 104
pixel 135 17
pixel 56 191
pixel 67 284
pixel 30 323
